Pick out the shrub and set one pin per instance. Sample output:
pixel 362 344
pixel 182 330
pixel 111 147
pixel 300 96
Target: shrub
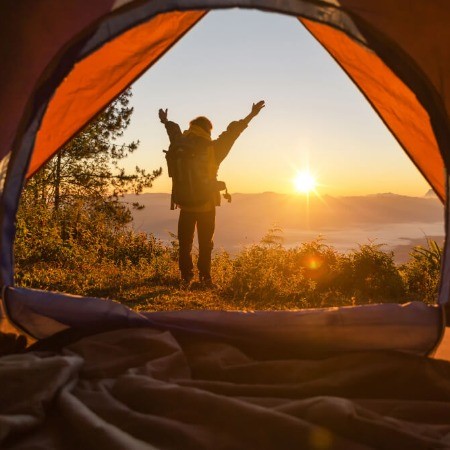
pixel 320 262
pixel 268 275
pixel 369 274
pixel 422 272
pixel 116 262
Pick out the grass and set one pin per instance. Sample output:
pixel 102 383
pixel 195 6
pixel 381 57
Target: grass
pixel 264 276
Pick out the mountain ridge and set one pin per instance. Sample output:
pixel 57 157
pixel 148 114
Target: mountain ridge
pixel 345 221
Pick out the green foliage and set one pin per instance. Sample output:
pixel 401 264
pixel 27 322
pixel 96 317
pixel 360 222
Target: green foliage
pixel 119 263
pixel 100 263
pixel 320 262
pixel 85 174
pixel 273 237
pixel 72 230
pixel 422 272
pixel 269 275
pixel 370 273
pixel 311 275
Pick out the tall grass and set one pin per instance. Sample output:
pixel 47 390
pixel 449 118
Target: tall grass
pixel 139 269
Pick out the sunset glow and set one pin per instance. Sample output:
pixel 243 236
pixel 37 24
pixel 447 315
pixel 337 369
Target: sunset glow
pixel 293 132
pixel 304 182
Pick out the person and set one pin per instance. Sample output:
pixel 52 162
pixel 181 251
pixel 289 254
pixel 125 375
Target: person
pixel 203 215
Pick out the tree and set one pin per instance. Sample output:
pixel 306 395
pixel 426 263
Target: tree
pixel 73 205
pixel 86 173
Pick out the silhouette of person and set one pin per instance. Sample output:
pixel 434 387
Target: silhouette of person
pixel 203 216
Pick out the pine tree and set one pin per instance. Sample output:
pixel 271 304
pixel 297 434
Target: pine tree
pixel 86 173
pixel 79 191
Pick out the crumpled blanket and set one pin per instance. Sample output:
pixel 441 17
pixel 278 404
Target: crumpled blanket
pixel 142 388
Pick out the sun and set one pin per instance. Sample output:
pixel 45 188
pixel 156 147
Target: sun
pixel 305 182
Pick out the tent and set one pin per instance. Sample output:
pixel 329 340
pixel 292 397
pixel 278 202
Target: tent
pixel 63 62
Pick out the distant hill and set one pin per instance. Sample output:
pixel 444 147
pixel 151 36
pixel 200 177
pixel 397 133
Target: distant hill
pixel 345 221
pixel 430 194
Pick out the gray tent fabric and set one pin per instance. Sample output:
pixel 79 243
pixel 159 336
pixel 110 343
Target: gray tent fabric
pixel 142 388
pixel 412 327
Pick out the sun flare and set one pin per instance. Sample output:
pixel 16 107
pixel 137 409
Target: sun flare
pixel 305 182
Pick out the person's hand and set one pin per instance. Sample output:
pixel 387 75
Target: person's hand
pixel 257 107
pixel 162 115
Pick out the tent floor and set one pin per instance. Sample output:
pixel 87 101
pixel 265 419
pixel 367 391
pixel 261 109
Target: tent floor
pixel 147 388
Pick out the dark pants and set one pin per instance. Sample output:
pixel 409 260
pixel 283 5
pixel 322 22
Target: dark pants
pixel 205 222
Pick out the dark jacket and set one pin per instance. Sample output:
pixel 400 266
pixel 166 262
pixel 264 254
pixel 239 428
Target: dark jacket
pixel 220 148
pixel 222 145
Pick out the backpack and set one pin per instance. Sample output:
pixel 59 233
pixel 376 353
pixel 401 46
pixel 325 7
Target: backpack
pixel 193 171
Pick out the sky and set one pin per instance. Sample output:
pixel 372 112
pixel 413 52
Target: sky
pixel 314 116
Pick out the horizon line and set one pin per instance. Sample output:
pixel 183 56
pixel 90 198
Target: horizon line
pixel 428 194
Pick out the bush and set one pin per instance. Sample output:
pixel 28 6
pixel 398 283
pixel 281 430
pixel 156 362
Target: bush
pixel 266 275
pixel 422 272
pixel 369 275
pixel 320 262
pixel 311 275
pixel 98 259
pixel 82 251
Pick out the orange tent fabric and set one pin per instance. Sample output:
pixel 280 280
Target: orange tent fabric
pixel 97 80
pixel 397 106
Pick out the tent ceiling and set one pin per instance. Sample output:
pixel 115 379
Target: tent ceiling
pixel 96 81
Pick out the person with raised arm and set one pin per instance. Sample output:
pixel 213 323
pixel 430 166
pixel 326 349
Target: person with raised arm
pixel 193 161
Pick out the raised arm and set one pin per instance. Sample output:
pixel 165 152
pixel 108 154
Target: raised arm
pixel 256 108
pixel 172 128
pixel 226 140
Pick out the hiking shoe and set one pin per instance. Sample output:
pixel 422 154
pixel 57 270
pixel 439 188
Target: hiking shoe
pixel 207 283
pixel 196 286
pixel 185 283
